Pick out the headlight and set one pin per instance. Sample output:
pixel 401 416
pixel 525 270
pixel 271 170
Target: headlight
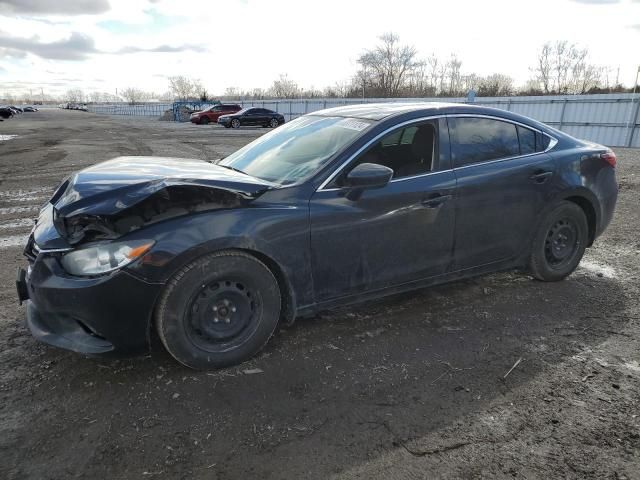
pixel 104 258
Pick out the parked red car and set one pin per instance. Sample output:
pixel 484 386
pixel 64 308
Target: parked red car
pixel 211 114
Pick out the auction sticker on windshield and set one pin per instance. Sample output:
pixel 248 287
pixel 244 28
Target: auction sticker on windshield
pixel 352 124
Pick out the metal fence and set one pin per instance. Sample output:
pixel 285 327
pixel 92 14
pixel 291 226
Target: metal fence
pixel 610 119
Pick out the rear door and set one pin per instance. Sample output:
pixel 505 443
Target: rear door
pixel 504 180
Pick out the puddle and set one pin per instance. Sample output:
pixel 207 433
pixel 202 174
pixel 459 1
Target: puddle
pixel 7 137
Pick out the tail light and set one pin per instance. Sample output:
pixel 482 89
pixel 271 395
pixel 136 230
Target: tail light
pixel 609 157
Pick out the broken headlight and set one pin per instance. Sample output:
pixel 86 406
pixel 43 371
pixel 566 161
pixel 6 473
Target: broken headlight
pixel 104 258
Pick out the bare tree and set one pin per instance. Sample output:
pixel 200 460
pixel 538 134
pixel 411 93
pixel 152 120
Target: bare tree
pixel 388 65
pixel 563 67
pixel 283 87
pixel 543 67
pixel 231 93
pixel 495 85
pixel 183 88
pixel 134 95
pixel 74 95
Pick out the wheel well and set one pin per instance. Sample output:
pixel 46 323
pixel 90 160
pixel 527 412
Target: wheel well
pixel 288 313
pixel 589 212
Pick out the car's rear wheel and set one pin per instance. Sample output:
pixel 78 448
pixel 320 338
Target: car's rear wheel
pixel 204 120
pixel 274 123
pixel 235 123
pixel 219 310
pixel 559 243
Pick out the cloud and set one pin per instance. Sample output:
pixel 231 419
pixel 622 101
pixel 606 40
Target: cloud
pixel 55 7
pixel 77 47
pixel 164 49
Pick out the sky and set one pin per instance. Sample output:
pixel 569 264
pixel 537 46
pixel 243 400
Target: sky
pixel 104 45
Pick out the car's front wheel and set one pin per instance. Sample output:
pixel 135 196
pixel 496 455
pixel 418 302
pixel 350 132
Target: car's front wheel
pixel 204 120
pixel 235 123
pixel 274 123
pixel 559 243
pixel 219 310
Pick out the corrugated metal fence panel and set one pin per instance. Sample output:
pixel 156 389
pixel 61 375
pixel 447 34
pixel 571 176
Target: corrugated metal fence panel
pixel 601 118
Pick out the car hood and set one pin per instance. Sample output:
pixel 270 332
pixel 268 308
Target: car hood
pixel 117 184
pixel 125 193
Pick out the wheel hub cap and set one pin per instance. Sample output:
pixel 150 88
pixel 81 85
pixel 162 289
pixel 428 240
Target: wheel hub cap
pixel 561 242
pixel 220 312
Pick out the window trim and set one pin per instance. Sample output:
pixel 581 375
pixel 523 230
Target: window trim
pixel 552 143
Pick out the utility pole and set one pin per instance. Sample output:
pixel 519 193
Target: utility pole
pixel 629 119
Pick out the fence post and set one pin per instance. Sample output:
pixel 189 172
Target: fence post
pixel 564 108
pixel 634 123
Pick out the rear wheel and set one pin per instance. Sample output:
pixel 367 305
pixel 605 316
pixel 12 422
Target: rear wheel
pixel 235 123
pixel 204 120
pixel 559 243
pixel 219 310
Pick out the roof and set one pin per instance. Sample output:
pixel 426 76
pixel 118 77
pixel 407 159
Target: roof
pixel 378 111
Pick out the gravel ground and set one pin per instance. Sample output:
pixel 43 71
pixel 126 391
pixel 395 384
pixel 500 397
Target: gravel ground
pixel 413 386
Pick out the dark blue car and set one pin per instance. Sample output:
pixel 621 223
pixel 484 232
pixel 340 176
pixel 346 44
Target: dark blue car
pixel 335 207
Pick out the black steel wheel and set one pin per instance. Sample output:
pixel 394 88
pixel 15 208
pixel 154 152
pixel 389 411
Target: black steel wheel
pixel 204 121
pixel 559 243
pixel 219 310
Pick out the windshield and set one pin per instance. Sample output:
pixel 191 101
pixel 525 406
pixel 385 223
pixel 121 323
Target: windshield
pixel 297 149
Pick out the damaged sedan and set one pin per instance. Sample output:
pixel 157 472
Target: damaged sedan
pixel 335 207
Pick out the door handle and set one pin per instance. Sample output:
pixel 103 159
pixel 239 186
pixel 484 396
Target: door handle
pixel 435 201
pixel 540 176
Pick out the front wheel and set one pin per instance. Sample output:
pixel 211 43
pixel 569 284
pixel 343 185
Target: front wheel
pixel 559 243
pixel 219 310
pixel 204 121
pixel 274 123
pixel 235 123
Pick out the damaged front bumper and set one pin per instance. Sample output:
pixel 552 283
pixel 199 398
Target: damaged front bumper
pixel 109 314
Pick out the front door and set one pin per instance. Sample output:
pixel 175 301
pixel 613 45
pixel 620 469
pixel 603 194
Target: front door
pixel 397 234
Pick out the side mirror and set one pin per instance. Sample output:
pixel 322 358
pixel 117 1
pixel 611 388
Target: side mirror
pixel 368 175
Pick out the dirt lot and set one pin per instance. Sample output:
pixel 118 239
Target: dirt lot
pixel 409 387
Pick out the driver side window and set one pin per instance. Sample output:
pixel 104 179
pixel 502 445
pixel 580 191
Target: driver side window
pixel 408 151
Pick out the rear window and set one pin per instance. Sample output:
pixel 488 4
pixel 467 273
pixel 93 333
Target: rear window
pixel 527 140
pixel 475 140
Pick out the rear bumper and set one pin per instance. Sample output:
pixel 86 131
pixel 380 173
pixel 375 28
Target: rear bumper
pixel 102 315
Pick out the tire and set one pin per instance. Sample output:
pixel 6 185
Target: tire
pixel 559 243
pixel 235 123
pixel 204 121
pixel 219 310
pixel 227 125
pixel 274 123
